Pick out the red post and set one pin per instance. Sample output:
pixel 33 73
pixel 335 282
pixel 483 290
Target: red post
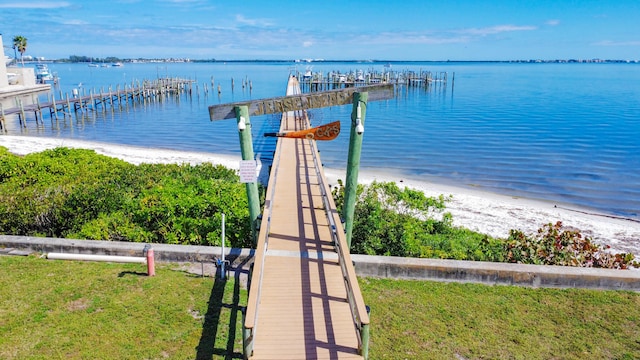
pixel 151 264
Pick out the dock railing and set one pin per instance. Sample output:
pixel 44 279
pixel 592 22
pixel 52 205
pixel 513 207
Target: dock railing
pixel 354 295
pixel 255 282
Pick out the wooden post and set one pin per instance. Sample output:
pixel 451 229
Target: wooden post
pixel 102 100
pixel 23 117
pixel 353 161
pixel 68 105
pixel 453 82
pixel 55 105
pixel 39 111
pixel 246 148
pixel 2 124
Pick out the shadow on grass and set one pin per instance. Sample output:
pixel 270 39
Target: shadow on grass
pixel 206 348
pixel 137 273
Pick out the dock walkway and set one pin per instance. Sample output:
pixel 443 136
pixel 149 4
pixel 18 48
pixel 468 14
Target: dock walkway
pixel 304 298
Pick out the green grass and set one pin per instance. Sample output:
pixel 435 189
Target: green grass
pixel 82 310
pixel 429 320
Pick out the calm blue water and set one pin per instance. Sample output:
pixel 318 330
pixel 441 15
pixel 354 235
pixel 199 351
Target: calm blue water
pixel 561 132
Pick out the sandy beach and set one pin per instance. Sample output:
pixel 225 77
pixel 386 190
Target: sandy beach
pixel 485 212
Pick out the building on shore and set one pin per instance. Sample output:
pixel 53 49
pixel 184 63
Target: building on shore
pixel 17 82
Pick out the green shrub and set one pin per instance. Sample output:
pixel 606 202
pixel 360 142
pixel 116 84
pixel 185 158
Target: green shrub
pixel 77 193
pixel 404 222
pixel 556 245
pixel 401 222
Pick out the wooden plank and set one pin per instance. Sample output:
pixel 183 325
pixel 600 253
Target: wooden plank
pixel 303 308
pixel 283 104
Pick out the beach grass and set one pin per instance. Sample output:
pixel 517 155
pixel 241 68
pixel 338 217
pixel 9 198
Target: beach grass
pixel 80 310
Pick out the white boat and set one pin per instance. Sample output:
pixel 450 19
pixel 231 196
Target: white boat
pixel 42 73
pixel 93 65
pixel 118 64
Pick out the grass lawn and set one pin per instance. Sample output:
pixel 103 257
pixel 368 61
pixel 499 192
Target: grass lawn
pixel 82 310
pixel 431 320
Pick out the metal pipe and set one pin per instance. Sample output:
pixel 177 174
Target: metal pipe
pixel 87 257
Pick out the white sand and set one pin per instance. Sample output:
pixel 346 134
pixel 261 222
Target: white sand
pixel 485 212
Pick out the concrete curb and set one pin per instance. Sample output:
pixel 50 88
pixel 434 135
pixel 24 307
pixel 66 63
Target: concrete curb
pixel 366 266
pixel 163 252
pixel 497 273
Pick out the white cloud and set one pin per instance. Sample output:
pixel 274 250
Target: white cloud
pixel 497 29
pixel 36 5
pixel 415 38
pixel 252 22
pixel 74 22
pixel 553 22
pixel 617 43
pixel 307 44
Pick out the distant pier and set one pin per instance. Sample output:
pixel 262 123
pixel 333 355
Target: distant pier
pixel 97 101
pixel 318 81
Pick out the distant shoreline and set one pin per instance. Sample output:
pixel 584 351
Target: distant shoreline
pixel 485 212
pixel 333 61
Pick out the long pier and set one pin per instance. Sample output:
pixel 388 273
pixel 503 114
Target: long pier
pixel 304 298
pixel 96 100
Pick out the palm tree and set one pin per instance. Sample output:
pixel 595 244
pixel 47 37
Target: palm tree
pixel 20 43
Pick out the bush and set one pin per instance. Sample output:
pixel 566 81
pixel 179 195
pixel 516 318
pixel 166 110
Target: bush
pixel 405 222
pixel 556 245
pixel 78 193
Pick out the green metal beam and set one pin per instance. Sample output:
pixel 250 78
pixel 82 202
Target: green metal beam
pixel 246 148
pixel 353 161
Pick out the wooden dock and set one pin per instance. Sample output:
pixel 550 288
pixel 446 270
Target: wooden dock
pixel 319 81
pixel 304 298
pixel 96 101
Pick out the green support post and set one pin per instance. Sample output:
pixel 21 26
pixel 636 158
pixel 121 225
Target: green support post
pixel 246 147
pixel 247 337
pixel 364 337
pixel 353 162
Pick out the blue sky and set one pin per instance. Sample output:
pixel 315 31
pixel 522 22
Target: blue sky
pixel 341 30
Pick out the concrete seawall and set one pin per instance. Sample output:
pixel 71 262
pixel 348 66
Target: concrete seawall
pixel 497 273
pixel 366 266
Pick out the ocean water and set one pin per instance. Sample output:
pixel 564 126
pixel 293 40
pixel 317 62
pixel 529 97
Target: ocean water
pixel 568 133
